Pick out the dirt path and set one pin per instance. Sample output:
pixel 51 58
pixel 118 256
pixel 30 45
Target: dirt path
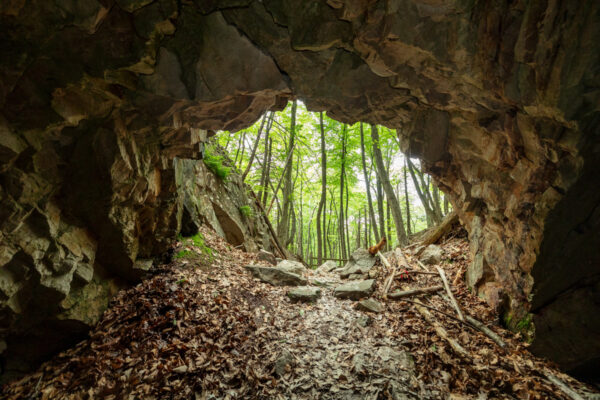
pixel 194 332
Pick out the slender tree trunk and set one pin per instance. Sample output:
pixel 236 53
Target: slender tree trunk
pixel 366 243
pixel 342 240
pixel 446 205
pixel 358 232
pixel 422 196
pixel 367 181
pixel 387 186
pixel 283 226
pixel 348 250
pixel 255 146
pixel 320 211
pixel 267 167
pixel 380 208
pixel 408 227
pixel 239 146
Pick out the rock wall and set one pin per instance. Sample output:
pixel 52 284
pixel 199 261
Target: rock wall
pixel 499 99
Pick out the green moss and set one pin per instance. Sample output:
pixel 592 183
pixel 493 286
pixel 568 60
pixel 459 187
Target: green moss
pixel 525 324
pixel 183 254
pixel 246 211
pixel 215 165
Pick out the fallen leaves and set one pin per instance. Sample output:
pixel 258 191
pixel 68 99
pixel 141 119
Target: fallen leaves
pixel 194 332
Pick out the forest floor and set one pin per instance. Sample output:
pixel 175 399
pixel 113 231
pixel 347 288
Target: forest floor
pixel 203 328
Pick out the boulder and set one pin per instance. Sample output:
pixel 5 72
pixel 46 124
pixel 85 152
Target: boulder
pixel 431 255
pixel 327 266
pixel 355 290
pixel 323 282
pixel 369 305
pixel 276 276
pixel 293 267
pixel 283 361
pixel 305 294
pixel 267 256
pixel 361 261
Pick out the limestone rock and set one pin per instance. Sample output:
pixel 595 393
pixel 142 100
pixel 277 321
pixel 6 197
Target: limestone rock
pixel 294 267
pixel 360 262
pixel 431 255
pixel 267 256
pixel 327 266
pixel 306 294
pixel 370 305
pixel 355 290
pixel 275 276
pixel 283 362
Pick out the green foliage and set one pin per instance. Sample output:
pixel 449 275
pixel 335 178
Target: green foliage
pixel 183 254
pixel 215 165
pixel 306 174
pixel 246 211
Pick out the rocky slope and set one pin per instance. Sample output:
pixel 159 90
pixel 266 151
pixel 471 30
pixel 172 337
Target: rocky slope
pixel 500 101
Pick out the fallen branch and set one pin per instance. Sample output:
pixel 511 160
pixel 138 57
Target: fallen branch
pixel 414 292
pixel 423 267
pixel 486 331
pixel 390 278
pixel 274 237
pixel 563 386
pixel 444 227
pixel 439 329
pixel 450 295
pixel 414 271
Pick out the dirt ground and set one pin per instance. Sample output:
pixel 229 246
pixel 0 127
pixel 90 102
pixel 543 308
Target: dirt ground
pixel 202 328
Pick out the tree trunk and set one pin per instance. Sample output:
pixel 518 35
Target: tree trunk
pixel 380 207
pixel 283 225
pixel 387 186
pixel 255 146
pixel 342 240
pixel 428 211
pixel 267 167
pixel 320 211
pixel 408 227
pixel 348 252
pixel 367 181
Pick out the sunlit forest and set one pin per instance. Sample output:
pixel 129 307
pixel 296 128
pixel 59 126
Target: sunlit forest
pixel 320 180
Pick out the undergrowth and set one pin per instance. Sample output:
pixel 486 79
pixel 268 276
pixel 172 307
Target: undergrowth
pixel 246 211
pixel 206 253
pixel 214 163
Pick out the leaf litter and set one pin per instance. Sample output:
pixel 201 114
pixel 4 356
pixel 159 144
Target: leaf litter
pixel 208 330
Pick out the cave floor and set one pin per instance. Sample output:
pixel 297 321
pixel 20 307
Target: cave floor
pixel 203 328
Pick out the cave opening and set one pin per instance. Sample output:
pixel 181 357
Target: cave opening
pixel 107 108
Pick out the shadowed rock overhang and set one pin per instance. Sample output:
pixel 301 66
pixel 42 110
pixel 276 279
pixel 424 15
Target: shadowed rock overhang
pixel 500 101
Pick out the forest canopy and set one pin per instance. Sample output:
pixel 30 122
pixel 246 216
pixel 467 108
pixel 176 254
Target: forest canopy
pixel 287 153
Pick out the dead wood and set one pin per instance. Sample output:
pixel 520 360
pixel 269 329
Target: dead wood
pixel 437 232
pixel 414 292
pixel 450 295
pixel 441 331
pixel 562 386
pixel 486 331
pixel 390 278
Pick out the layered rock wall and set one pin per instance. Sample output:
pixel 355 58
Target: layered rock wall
pixel 499 99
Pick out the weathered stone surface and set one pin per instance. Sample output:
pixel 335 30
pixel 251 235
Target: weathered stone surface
pixel 360 262
pixel 294 267
pixel 499 100
pixel 431 255
pixel 283 362
pixel 267 256
pixel 327 266
pixel 355 290
pixel 276 276
pixel 370 305
pixel 305 294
